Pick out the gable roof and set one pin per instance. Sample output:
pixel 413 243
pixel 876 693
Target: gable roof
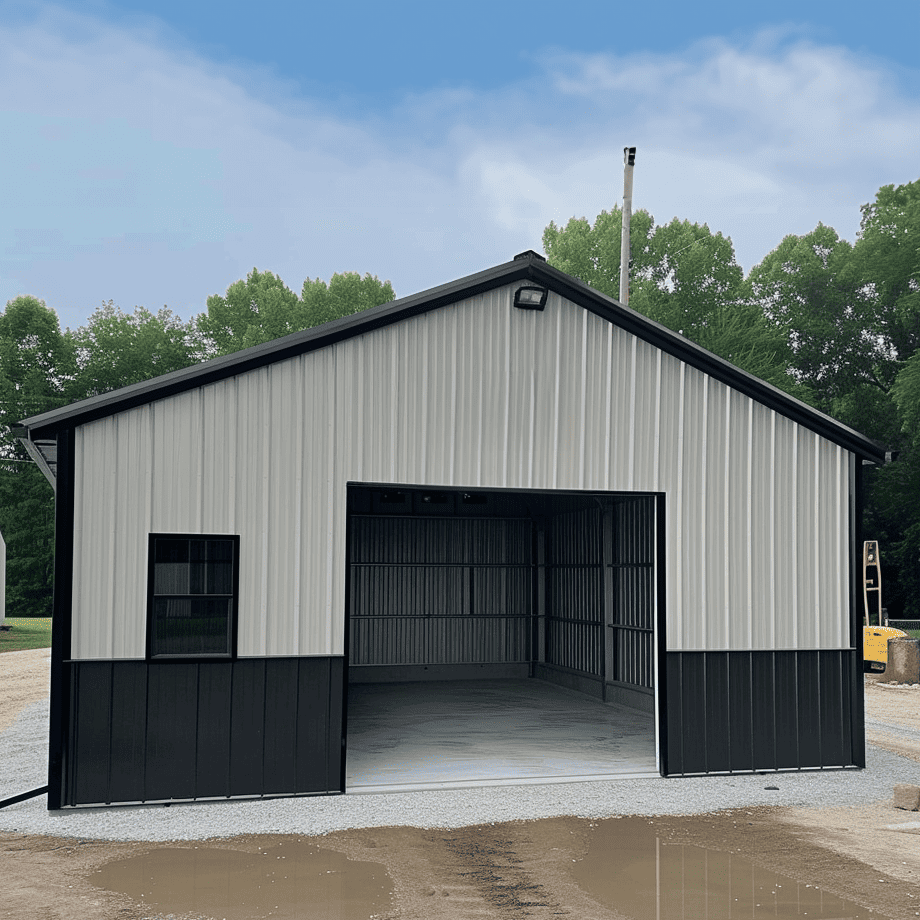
pixel 528 266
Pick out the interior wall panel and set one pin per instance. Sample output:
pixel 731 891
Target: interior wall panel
pixel 439 590
pixel 473 394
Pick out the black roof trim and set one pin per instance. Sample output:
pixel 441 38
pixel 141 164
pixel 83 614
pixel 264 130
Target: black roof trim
pixel 527 266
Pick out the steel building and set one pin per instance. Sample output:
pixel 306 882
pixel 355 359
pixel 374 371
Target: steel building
pixel 475 482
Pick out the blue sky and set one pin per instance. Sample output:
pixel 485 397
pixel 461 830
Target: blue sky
pixel 154 153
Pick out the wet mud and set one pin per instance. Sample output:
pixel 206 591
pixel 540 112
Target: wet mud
pixel 288 880
pixel 752 864
pixel 629 867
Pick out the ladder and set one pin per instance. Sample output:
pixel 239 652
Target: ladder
pixel 872 577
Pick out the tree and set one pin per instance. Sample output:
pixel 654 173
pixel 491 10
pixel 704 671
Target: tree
pixel 682 276
pixel 35 363
pixel 887 259
pixel 263 308
pixel 810 289
pixel 592 253
pixel 253 311
pixel 116 349
pixel 345 294
pixel 906 396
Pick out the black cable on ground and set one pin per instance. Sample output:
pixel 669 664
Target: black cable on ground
pixel 23 796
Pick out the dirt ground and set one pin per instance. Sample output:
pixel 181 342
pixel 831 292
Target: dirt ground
pixel 528 869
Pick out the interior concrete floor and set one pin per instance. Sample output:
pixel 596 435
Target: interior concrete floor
pixel 451 734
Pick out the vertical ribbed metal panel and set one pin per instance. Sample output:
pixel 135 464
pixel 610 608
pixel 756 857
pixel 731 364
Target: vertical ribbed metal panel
pixel 785 475
pixel 647 418
pixel 761 710
pixel 575 622
pixel 763 569
pixel 692 530
pixel 473 394
pixel 808 600
pixel 439 590
pixel 670 461
pixel 738 526
pixel 633 619
pixel 714 528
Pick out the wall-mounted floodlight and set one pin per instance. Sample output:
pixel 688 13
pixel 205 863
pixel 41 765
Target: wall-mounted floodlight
pixel 530 298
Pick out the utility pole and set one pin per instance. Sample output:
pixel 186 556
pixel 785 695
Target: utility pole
pixel 629 161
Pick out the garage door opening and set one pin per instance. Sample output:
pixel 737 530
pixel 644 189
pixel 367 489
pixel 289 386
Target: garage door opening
pixel 500 636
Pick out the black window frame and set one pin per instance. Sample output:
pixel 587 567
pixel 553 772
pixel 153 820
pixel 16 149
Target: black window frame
pixel 231 654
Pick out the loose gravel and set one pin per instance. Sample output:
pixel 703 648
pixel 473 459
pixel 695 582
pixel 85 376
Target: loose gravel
pixel 23 766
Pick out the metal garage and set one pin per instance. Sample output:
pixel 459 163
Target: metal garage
pixel 511 474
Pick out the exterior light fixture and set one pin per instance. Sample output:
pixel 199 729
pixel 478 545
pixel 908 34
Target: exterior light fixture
pixel 530 298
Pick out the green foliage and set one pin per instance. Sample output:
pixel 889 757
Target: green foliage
pixel 906 395
pixel 592 253
pixel 345 294
pixel 253 311
pixel 887 256
pixel 263 308
pixel 116 349
pixel 35 363
pixel 682 276
pixel 810 289
pixel 27 523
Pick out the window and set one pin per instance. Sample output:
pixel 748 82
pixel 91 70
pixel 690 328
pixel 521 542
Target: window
pixel 192 596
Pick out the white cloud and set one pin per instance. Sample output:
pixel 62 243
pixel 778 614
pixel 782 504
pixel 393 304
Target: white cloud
pixel 144 173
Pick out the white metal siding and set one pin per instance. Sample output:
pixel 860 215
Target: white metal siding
pixel 477 394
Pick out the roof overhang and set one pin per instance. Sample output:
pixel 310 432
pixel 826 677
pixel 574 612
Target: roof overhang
pixel 42 451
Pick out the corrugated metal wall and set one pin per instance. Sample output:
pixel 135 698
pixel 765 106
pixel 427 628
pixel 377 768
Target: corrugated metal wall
pixel 474 394
pixel 440 590
pixel 575 576
pixel 633 617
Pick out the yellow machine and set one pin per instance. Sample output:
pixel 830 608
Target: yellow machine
pixel 875 638
pixel 875 646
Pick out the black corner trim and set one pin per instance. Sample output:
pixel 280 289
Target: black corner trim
pixel 661 679
pixel 61 621
pixel 857 700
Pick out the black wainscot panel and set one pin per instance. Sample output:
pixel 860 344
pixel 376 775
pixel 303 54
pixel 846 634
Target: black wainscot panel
pixel 761 710
pixel 177 731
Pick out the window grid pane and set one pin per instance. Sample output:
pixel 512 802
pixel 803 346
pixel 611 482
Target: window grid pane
pixel 193 600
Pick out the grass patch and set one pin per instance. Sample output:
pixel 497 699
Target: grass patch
pixel 25 633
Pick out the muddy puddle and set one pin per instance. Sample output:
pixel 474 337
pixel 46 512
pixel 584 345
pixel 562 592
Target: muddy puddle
pixel 284 881
pixel 632 869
